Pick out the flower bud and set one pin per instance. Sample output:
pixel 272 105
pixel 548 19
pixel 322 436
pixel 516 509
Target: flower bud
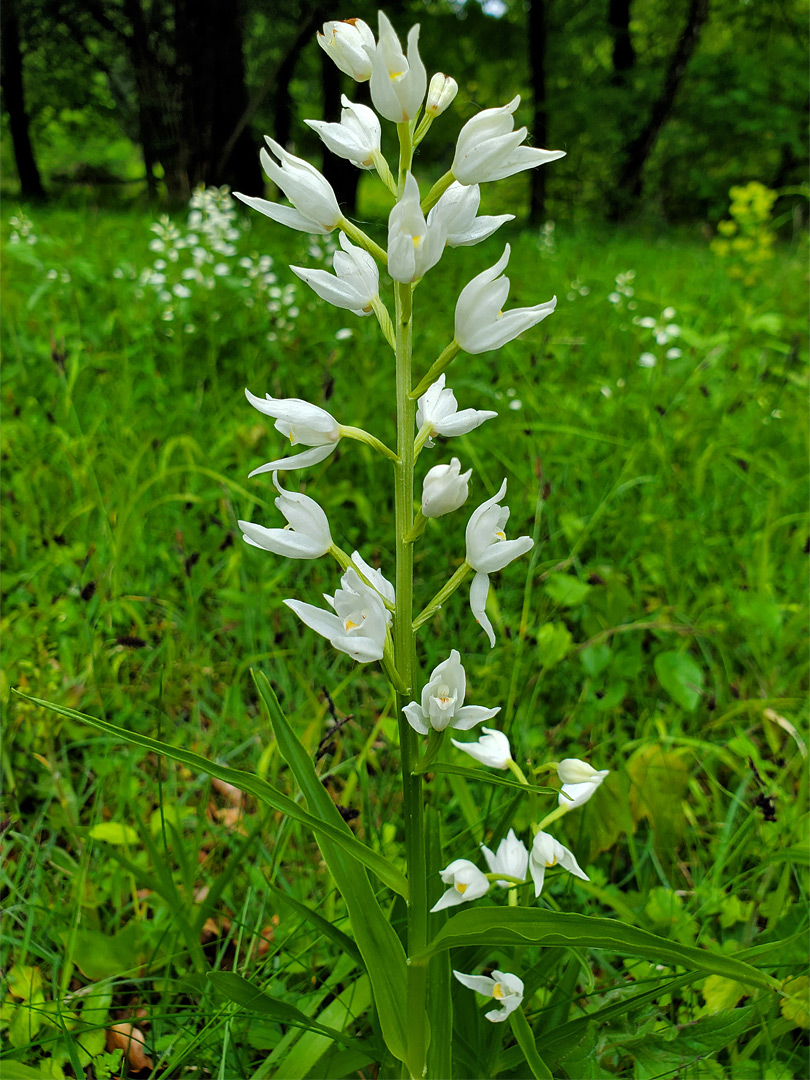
pixel 348 43
pixel 576 771
pixel 491 749
pixel 445 489
pixel 440 94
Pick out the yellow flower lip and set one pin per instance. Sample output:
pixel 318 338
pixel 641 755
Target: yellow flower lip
pixel 461 886
pixel 349 625
pixel 497 992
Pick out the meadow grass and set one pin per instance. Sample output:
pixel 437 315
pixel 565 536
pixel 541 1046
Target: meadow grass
pixel 658 628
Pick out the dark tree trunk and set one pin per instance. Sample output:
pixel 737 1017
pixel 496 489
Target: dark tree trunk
pixel 282 100
pixel 341 174
pixel 636 152
pixel 537 40
pixel 624 55
pixel 211 70
pixel 11 80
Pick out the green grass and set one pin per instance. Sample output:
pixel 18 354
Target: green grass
pixel 658 629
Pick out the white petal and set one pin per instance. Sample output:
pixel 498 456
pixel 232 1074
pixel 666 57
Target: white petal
pixel 449 899
pixel 416 718
pixel 479 590
pixel 470 715
pixel 297 461
pixel 287 542
pixel 481 984
pixel 285 215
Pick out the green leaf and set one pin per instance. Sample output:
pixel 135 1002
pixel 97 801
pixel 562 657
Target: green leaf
pixel 554 642
pixel 242 992
pixel 328 929
pixel 104 956
pixel 595 658
pixel 529 926
pixel 114 832
pixel 681 677
pixel 490 778
pixel 566 590
pixel 525 1040
pixel 245 781
pixel 381 949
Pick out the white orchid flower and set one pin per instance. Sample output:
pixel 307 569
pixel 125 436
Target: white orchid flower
pixel 511 858
pixel 355 285
pixel 489 149
pixel 397 84
pixel 375 578
pixel 440 95
pixel 466 883
pixel 314 204
pixel 442 702
pixel 306 535
pixel 413 245
pixel 503 987
pixel 444 489
pixel 356 138
pixel 357 625
pixel 347 42
pixel 579 781
pixel 439 408
pixel 488 550
pixel 301 422
pixel 455 212
pixel 546 852
pixel 491 749
pixel 480 323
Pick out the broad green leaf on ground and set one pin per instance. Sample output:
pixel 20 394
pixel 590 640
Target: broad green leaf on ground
pixel 379 945
pixel 681 677
pixel 565 590
pixel 528 926
pixel 245 781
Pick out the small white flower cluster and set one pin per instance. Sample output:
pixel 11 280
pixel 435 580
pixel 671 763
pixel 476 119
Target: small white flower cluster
pixel 577 288
pixel 624 290
pixel 22 229
pixel 663 331
pixel 546 243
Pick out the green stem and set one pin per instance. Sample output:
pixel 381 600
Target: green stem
pixel 405 654
pixel 384 172
pixel 549 819
pixel 363 239
pixel 438 366
pixel 436 192
pixel 418 527
pixel 434 745
pixel 370 440
pixel 517 772
pixel 424 433
pixel 384 319
pixel 442 595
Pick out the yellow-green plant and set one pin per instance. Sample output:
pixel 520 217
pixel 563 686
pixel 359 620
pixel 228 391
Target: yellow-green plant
pixel 746 239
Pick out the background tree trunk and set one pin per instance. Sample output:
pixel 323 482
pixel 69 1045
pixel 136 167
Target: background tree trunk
pixel 537 40
pixel 636 152
pixel 11 80
pixel 624 55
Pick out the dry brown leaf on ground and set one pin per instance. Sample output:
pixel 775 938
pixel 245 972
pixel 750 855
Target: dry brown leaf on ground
pixel 230 791
pixel 131 1040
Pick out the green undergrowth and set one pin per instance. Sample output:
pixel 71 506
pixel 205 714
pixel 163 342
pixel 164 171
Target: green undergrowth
pixel 658 628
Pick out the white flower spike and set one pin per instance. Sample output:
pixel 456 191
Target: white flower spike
pixel 439 408
pixel 491 749
pixel 358 624
pixel 314 204
pixel 347 43
pixel 480 324
pixel 397 84
pixel 488 550
pixel 306 535
pixel 456 212
pixel 511 858
pixel 466 883
pixel 355 285
pixel 444 489
pixel 301 422
pixel 579 782
pixel 442 703
pixel 546 852
pixel 488 148
pixel 503 987
pixel 441 92
pixel 356 138
pixel 413 245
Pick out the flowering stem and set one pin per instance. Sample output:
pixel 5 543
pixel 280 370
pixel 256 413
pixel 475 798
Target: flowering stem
pixel 436 192
pixel 363 239
pixel 434 745
pixel 439 365
pixel 555 815
pixel 516 771
pixel 405 653
pixel 370 440
pixel 443 595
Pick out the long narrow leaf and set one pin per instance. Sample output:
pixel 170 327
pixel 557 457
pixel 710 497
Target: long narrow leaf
pixel 245 781
pixel 379 945
pixel 531 926
pixel 490 778
pixel 525 1040
pixel 343 941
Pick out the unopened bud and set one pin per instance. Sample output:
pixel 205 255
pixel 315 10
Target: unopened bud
pixel 348 43
pixel 445 489
pixel 440 94
pixel 576 771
